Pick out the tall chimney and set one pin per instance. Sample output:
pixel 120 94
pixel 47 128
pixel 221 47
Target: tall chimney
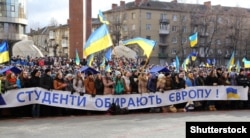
pixel 174 1
pixel 208 4
pixel 137 2
pixel 122 3
pixel 114 6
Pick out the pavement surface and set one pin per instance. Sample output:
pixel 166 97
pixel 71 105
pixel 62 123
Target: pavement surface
pixel 136 125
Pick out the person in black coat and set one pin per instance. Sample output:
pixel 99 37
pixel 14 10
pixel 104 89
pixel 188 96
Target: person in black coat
pixel 46 82
pixel 35 82
pixel 99 85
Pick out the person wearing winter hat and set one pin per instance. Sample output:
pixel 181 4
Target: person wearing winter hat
pixel 46 80
pixel 89 84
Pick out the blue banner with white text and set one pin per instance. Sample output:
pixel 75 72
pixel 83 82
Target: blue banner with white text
pixel 36 95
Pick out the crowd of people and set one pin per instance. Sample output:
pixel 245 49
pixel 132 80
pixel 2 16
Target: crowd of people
pixel 127 76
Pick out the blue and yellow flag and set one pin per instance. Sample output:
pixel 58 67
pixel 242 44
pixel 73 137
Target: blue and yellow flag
pixel 185 63
pixel 232 93
pixel 77 58
pixel 99 40
pixel 90 60
pixel 246 63
pixel 193 39
pixel 145 44
pixel 238 66
pixel 102 18
pixel 230 62
pixel 177 64
pixel 108 69
pixel 194 56
pixel 4 52
pixel 108 54
pixel 102 65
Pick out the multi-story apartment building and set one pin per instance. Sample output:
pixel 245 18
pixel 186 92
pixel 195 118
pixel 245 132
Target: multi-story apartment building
pixel 221 30
pixel 52 40
pixel 13 21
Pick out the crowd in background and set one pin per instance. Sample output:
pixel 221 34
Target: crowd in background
pixel 126 76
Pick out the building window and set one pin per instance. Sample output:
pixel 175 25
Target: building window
pixel 162 39
pixel 12 8
pixel 184 29
pixel 148 15
pixel 163 16
pixel 1 27
pixel 133 27
pixel 219 52
pixel 202 40
pixel 195 29
pixel 148 26
pixel 184 40
pixel 148 37
pixel 218 42
pixel 220 20
pixel 174 28
pixel 228 41
pixel 125 28
pixel 133 15
pixel 174 17
pixel 162 49
pixel 173 51
pixel 174 40
pixel 6 28
pixel 184 18
pixel 125 16
pixel 163 26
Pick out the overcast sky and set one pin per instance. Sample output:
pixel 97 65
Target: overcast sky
pixel 40 12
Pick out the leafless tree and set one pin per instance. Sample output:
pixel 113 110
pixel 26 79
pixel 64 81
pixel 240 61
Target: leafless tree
pixel 53 22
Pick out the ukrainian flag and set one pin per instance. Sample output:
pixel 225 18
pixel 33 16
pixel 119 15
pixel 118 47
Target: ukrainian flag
pixel 193 39
pixel 185 63
pixel 108 69
pixel 100 39
pixel 194 56
pixel 108 54
pixel 77 58
pixel 90 60
pixel 102 65
pixel 177 64
pixel 102 18
pixel 238 66
pixel 4 52
pixel 246 63
pixel 230 62
pixel 145 44
pixel 232 93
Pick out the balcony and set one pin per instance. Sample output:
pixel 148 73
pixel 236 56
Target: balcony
pixel 164 21
pixel 162 55
pixel 65 36
pixel 164 31
pixel 162 44
pixel 203 34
